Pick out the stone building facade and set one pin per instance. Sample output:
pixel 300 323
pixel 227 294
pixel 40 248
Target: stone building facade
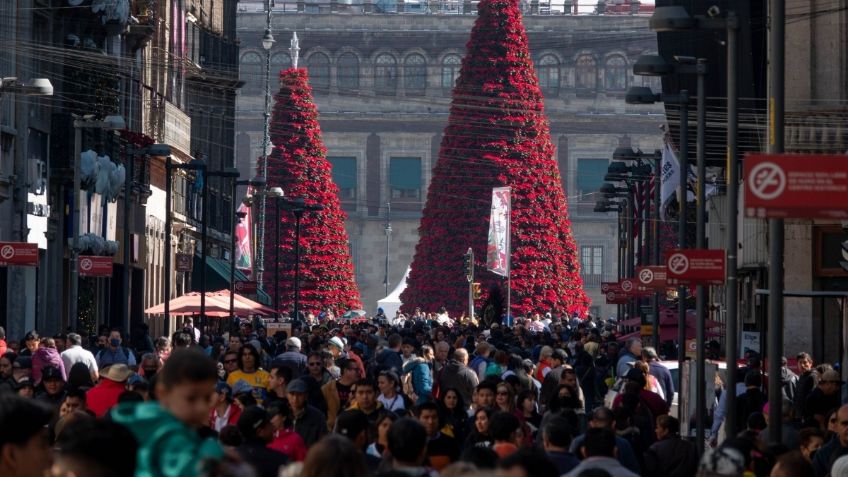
pixel 383 85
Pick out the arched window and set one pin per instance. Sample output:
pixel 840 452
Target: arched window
pixel 585 73
pixel 251 72
pixel 319 70
pixel 279 62
pixel 415 74
pixel 385 74
pixel 548 71
pixel 450 71
pixel 615 73
pixel 347 71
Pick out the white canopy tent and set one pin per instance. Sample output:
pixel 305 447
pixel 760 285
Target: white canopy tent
pixel 391 303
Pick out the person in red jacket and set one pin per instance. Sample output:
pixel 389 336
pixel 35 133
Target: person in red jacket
pixel 224 412
pixel 104 396
pixel 286 440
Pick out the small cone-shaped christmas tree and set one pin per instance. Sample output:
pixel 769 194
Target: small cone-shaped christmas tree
pixel 497 135
pixel 299 165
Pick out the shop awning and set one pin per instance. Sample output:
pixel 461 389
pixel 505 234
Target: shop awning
pixel 218 277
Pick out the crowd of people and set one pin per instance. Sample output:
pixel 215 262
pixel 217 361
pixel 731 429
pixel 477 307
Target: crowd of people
pixel 423 396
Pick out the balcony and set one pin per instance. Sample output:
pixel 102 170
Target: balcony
pixel 166 123
pixel 447 7
pixel 817 132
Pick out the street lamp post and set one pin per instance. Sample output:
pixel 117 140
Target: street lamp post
pixel 388 239
pixel 267 44
pixel 170 166
pixel 278 195
pixel 80 123
pixel 255 182
pixel 229 173
pixel 298 207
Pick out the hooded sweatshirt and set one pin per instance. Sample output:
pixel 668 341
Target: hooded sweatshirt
pixel 44 357
pixel 167 447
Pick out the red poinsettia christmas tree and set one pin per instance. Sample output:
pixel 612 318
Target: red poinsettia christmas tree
pixel 299 165
pixel 497 135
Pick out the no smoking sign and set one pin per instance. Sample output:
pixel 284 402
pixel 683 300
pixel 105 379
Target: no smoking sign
pixel 696 267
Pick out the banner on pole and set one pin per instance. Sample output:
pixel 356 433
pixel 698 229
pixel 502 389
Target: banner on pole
pixel 243 256
pixel 497 250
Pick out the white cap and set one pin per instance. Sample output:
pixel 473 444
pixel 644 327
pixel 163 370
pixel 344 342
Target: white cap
pixel 337 342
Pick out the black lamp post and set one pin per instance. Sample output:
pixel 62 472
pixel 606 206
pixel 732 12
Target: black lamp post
pixel 255 182
pixel 278 195
pixel 298 207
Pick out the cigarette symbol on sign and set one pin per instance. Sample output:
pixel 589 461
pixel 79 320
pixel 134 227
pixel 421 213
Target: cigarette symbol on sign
pixel 646 276
pixel 85 264
pixel 767 181
pixel 626 285
pixel 610 296
pixel 678 264
pixel 7 252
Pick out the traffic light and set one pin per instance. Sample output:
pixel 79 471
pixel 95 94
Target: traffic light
pixel 477 290
pixel 469 264
pixel 844 251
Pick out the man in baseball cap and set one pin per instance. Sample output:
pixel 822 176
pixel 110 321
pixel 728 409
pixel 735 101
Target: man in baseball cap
pixel 254 424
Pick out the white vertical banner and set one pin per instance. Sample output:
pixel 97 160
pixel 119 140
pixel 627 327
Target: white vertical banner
pixel 670 178
pixel 498 248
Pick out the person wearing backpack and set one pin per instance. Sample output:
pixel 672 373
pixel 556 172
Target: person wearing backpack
pixel 480 362
pixel 114 353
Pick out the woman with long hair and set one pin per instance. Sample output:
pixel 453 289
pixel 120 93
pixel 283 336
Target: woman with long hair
pixel 527 411
pixel 453 414
pixel 505 398
pixel 380 446
pixel 250 372
pixel 480 435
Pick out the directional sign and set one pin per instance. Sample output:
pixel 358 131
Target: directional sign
pixel 796 186
pixel 695 267
pixel 94 266
pixel 652 277
pixel 246 287
pixel 18 253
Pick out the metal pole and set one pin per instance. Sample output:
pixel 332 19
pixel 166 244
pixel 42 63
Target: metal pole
pixel 167 275
pixel 471 286
pixel 73 301
pixel 126 307
pixel 701 242
pixel 731 293
pixel 277 255
pixel 298 213
pixel 233 218
pixel 388 238
pixel 266 139
pixel 204 237
pixel 620 241
pixel 681 243
pixel 776 111
pixel 628 250
pixel 656 239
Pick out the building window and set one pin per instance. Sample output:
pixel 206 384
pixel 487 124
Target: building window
pixel 585 72
pixel 251 72
pixel 344 175
pixel 415 75
pixel 279 62
pixel 548 71
pixel 615 73
pixel 385 74
pixel 405 178
pixel 450 71
pixel 590 176
pixel 319 70
pixel 592 262
pixel 347 71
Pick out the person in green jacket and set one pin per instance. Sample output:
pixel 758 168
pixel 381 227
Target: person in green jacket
pixel 169 444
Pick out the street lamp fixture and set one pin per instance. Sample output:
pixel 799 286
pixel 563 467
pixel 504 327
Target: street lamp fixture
pixel 267 40
pixel 38 87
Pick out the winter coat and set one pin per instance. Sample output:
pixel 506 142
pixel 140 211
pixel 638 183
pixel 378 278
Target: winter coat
pixel 479 365
pixel 311 426
pixel 422 381
pixel 671 457
pixel 457 375
pixel 389 360
pixel 166 445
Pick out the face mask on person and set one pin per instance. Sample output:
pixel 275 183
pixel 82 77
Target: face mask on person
pixel 115 342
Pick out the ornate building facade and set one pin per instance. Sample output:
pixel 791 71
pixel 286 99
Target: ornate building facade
pixel 383 86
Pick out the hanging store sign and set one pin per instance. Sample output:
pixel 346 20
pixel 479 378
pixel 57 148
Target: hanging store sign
pixel 184 262
pixel 18 254
pixel 245 287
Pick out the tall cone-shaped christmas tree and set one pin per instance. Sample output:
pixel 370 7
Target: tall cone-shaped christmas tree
pixel 298 164
pixel 497 135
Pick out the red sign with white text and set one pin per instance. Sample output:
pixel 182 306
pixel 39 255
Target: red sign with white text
pixel 248 287
pixel 653 277
pixel 95 266
pixel 610 287
pixel 19 254
pixel 695 266
pixel 616 298
pixel 632 288
pixel 796 186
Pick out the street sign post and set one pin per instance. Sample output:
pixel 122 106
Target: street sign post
pixel 696 267
pixel 796 186
pixel 246 287
pixel 18 254
pixel 94 266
